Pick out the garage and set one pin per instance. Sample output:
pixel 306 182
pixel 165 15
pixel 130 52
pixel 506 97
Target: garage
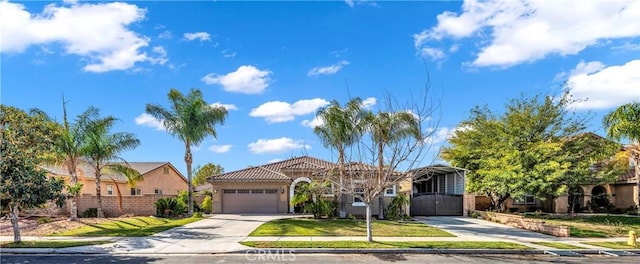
pixel 239 201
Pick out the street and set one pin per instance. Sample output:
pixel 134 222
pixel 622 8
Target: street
pixel 285 257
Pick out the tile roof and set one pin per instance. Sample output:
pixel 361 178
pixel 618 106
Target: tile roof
pixel 352 167
pixel 629 176
pixel 86 171
pixel 272 171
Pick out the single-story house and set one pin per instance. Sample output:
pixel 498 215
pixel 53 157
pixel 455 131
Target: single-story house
pixel 440 190
pixel 159 179
pixel 270 188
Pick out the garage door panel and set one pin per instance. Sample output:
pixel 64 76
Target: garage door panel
pixel 250 201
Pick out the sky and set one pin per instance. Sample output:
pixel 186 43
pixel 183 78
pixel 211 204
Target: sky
pixel 272 65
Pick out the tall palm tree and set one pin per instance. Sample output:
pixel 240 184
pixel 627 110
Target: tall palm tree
pixel 624 122
pixel 102 150
pixel 68 151
pixel 341 128
pixel 190 119
pixel 387 128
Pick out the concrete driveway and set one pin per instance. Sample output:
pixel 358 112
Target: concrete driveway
pixel 219 233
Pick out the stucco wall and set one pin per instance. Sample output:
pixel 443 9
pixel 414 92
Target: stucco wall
pixel 170 183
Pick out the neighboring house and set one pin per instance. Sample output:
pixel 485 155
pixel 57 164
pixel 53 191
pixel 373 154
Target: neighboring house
pixel 269 188
pixel 439 190
pixel 158 179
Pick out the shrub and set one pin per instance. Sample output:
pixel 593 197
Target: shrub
pixel 43 220
pixel 395 210
pixel 169 207
pixel 207 205
pixel 197 215
pixel 90 213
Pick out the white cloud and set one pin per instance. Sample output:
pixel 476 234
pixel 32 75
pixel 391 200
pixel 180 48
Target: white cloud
pixel 246 79
pixel 369 102
pixel 514 32
pixel 274 161
pixel 277 111
pixel 166 35
pixel 97 32
pixel 438 136
pixel 150 121
pixel 313 123
pixel 161 57
pixel 352 3
pixel 601 87
pixel 277 145
pixel 201 36
pixel 229 107
pixel 220 148
pixel 349 3
pixel 228 54
pixel 328 70
pixel 433 53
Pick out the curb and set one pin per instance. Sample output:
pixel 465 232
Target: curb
pixel 55 251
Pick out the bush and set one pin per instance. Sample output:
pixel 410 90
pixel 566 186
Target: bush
pixel 207 205
pixel 197 215
pixel 90 213
pixel 43 220
pixel 395 210
pixel 169 207
pixel 183 199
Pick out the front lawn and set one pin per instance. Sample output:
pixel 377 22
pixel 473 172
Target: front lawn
pixel 343 227
pixel 598 225
pixel 50 244
pixel 611 245
pixel 364 244
pixel 128 227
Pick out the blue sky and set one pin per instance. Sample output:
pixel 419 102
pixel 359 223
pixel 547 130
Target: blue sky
pixel 273 64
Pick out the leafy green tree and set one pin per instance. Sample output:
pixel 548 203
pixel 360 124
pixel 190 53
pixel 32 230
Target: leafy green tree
pixel 190 119
pixel 309 196
pixel 25 140
pixel 624 122
pixel 202 172
pixel 102 150
pixel 523 151
pixel 387 128
pixel 342 126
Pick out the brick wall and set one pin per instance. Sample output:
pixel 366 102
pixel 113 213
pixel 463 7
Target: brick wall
pixel 524 223
pixel 135 205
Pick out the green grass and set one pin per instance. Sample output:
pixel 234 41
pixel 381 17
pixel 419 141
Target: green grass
pixel 129 227
pixel 557 245
pixel 343 227
pixel 364 244
pixel 611 245
pixel 51 244
pixel 598 225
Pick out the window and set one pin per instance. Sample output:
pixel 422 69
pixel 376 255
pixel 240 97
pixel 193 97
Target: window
pixel 166 170
pixel 357 201
pixel 135 191
pixel 525 200
pixel 158 191
pixel 391 191
pixel 109 189
pixel 329 190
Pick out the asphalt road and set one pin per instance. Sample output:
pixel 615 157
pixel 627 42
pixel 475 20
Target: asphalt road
pixel 285 257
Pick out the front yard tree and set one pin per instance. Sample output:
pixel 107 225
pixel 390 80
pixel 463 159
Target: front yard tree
pixel 342 127
pixel 25 140
pixel 624 122
pixel 202 172
pixel 387 128
pixel 102 150
pixel 523 151
pixel 191 119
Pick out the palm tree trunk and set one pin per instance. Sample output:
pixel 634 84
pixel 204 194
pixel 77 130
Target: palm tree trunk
pixel 73 211
pixel 189 159
pixel 15 210
pixel 99 213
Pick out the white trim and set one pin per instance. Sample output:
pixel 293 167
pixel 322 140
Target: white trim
pixel 333 191
pixel 359 204
pixel 292 188
pixel 395 192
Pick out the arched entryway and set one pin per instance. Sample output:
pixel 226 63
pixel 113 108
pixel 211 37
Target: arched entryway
pixel 576 199
pixel 599 197
pixel 292 190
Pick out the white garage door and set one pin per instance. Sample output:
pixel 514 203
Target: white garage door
pixel 250 201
